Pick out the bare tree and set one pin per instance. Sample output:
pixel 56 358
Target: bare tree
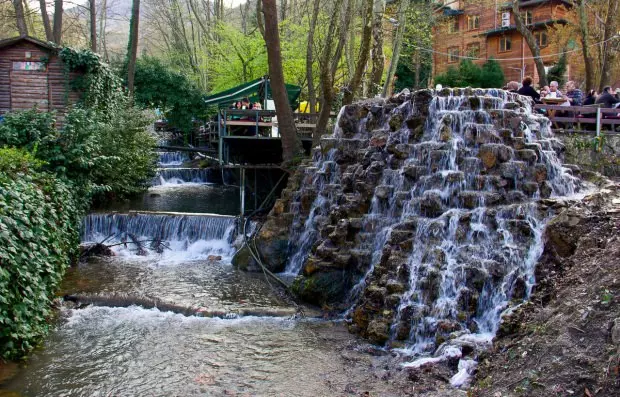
pixel 132 47
pixel 398 42
pixel 57 31
pixel 291 145
pixel 20 17
pixel 610 47
pixel 93 25
pixel 377 47
pixel 49 34
pixel 329 63
pixel 529 38
pixel 310 56
pixel 362 59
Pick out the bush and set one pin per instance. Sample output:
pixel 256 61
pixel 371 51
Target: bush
pixel 558 71
pixel 96 152
pixel 27 129
pixel 39 221
pixel 467 75
pixel 492 75
pixel 158 86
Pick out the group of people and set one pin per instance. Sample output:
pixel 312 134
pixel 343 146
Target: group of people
pixel 246 104
pixel 572 96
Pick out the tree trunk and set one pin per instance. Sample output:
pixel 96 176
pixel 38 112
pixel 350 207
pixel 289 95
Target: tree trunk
pixel 398 41
pixel 93 25
pixel 102 26
pixel 329 65
pixel 377 48
pixel 310 56
pixel 259 18
pixel 132 47
pixel 20 17
pixel 49 34
pixel 57 30
pixel 283 10
pixel 362 60
pixel 416 60
pixel 609 47
pixel 585 45
pixel 531 43
pixel 291 145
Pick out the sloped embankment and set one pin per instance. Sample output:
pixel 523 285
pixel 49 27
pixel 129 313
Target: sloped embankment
pixel 566 339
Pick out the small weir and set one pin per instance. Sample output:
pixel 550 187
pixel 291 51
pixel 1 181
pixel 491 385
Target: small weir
pixel 172 159
pixel 178 176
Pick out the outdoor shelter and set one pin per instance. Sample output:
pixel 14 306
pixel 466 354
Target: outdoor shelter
pixel 258 90
pixel 32 74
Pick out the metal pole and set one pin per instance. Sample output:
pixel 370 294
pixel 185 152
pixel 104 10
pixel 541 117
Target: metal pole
pixel 255 190
pixel 598 121
pixel 219 132
pixel 242 192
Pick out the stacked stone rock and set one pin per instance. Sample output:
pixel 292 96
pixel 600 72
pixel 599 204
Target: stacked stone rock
pixel 407 176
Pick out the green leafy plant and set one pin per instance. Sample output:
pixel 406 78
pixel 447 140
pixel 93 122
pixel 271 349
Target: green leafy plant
pixel 39 218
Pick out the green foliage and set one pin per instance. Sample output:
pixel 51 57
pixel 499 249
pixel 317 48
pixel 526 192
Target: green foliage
pixel 39 218
pixel 101 88
pixel 159 86
pixel 492 75
pixel 237 58
pixel 450 78
pixel 471 75
pixel 27 129
pixel 420 19
pixel 97 153
pixel 558 71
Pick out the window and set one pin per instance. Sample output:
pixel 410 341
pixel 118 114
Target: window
pixel 505 44
pixel 528 18
pixel 473 50
pixel 473 22
pixel 453 25
pixel 541 38
pixel 28 65
pixel 453 54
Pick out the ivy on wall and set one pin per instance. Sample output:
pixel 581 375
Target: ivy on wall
pixel 101 88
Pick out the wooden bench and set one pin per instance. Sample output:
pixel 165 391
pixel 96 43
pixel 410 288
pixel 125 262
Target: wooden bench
pixel 592 115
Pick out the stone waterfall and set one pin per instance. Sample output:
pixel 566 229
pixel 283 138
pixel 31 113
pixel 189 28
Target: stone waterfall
pixel 418 217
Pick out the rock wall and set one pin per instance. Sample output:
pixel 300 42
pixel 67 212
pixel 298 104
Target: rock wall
pixel 418 216
pixel 595 154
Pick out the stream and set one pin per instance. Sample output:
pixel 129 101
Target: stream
pixel 254 345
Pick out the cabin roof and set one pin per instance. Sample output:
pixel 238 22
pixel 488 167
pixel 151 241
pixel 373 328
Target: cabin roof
pixel 37 42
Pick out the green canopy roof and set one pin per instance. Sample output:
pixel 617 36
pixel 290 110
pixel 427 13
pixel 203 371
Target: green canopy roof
pixel 258 90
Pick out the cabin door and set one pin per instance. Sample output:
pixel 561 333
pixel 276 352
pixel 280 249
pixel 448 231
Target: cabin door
pixel 29 86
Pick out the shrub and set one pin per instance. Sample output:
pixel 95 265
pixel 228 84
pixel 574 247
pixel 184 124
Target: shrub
pixel 39 218
pixel 558 71
pixel 158 86
pixel 492 75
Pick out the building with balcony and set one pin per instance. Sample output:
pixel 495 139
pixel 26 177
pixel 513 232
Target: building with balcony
pixel 484 29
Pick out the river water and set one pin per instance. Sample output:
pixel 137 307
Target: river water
pixel 255 346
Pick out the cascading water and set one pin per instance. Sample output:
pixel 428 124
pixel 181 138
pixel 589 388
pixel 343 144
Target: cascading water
pixel 172 159
pixel 177 176
pixel 183 236
pixel 301 243
pixel 451 233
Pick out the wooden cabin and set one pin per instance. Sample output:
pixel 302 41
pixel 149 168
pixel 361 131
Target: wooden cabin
pixel 32 74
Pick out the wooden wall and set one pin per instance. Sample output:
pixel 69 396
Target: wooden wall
pixel 21 90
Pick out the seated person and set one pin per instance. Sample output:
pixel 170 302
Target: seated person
pixel 574 94
pixel 527 90
pixel 512 86
pixel 555 93
pixel 590 98
pixel 606 99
